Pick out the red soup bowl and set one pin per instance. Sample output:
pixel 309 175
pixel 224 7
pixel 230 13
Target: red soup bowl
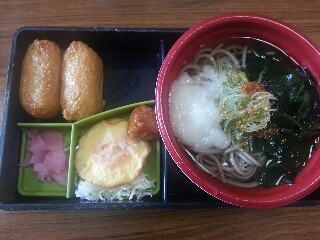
pixel 215 30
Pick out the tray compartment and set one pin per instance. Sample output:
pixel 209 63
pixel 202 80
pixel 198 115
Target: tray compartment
pixel 132 59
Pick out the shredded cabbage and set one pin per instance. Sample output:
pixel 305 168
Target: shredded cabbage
pixel 139 188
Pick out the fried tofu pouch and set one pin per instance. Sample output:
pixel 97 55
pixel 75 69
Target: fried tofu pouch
pixel 106 157
pixel 39 91
pixel 82 82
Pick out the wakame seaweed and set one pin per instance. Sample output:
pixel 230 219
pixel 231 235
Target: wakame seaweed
pixel 294 125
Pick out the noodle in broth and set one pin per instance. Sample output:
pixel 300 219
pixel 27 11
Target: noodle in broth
pixel 231 161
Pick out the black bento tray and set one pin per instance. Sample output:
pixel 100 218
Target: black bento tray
pixel 132 58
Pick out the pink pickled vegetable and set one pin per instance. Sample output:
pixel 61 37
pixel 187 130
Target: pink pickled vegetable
pixel 41 171
pixel 53 140
pixel 46 152
pixel 36 145
pixel 61 178
pixel 55 161
pixel 27 160
pixel 38 156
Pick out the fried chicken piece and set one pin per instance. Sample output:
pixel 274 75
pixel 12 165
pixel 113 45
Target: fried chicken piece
pixel 142 124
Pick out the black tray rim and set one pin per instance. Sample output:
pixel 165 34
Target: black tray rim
pixel 107 205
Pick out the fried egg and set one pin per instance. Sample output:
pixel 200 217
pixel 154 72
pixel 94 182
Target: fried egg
pixel 107 157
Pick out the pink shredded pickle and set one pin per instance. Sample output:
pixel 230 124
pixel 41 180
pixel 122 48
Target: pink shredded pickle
pixel 47 154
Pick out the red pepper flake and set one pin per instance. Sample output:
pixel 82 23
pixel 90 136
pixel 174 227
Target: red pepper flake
pixel 265 133
pixel 252 87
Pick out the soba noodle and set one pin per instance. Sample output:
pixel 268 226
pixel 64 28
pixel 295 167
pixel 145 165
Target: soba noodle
pixel 215 150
